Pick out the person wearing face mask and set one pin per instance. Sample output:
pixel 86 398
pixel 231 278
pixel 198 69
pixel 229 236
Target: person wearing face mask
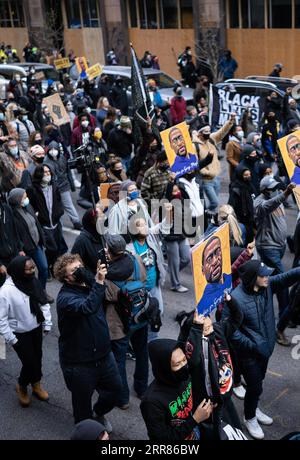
pixel 254 139
pixel 130 204
pixel 84 343
pixel 227 65
pixel 104 86
pixel 168 404
pixel 24 127
pixel 247 123
pixel 24 314
pixel 271 132
pixel 234 148
pixel 4 127
pixel 37 155
pixel 206 143
pixel 271 226
pixel 16 87
pixel 156 179
pixel 46 201
pixel 102 109
pixel 57 162
pixel 242 195
pixel 86 109
pixel 81 134
pixel 178 106
pixel 121 142
pixel 13 161
pixel 30 232
pixel 116 171
pixel 71 113
pixel 118 96
pixel 250 159
pixel 190 191
pixel 99 145
pixel 145 157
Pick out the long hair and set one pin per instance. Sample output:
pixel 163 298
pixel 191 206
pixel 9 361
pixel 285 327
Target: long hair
pixel 226 214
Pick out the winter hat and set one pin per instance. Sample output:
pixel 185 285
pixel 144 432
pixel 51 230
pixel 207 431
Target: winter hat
pixel 126 184
pixel 250 137
pixel 291 124
pixel 268 182
pixel 36 150
pixel 115 244
pixel 53 145
pixel 15 196
pixel 125 122
pixel 250 270
pixel 205 128
pixel 87 430
pixel 247 150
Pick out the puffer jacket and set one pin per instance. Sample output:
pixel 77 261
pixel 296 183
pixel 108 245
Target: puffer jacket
pixel 256 335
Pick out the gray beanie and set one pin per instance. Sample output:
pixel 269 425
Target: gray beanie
pixel 250 137
pixel 116 244
pixel 126 184
pixel 87 430
pixel 53 145
pixel 15 196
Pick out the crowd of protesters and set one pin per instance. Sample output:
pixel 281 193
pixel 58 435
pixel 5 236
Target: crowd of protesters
pixel 196 375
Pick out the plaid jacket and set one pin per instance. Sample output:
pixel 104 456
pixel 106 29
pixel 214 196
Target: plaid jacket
pixel 154 184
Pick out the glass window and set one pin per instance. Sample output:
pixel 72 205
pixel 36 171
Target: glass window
pixel 73 14
pixel 245 14
pixel 233 14
pixel 169 14
pixel 90 13
pixel 297 13
pixel 142 11
pixel 132 13
pixel 151 14
pixel 186 12
pixel 17 13
pixel 281 14
pixel 257 14
pixel 5 20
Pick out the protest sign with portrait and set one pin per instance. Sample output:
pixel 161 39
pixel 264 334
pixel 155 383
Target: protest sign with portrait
pixel 57 109
pixel 180 150
pixel 82 66
pixel 290 150
pixel 212 270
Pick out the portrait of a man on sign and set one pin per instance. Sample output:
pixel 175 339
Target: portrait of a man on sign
pixel 290 150
pixel 179 149
pixel 212 270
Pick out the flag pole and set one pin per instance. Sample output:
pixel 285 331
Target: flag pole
pixel 140 81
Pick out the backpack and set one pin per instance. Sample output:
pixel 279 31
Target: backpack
pixel 133 301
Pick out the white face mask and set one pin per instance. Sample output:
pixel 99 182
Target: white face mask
pixel 46 179
pixel 14 151
pixel 53 152
pixel 240 135
pixel 85 124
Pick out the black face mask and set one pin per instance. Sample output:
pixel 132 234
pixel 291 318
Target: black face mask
pixel 252 159
pixel 39 159
pixel 39 142
pixel 181 375
pixel 163 167
pixel 118 172
pixel 271 119
pixel 206 136
pixel 191 176
pixel 81 275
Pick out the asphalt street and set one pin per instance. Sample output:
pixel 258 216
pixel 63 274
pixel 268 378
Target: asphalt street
pixel 53 420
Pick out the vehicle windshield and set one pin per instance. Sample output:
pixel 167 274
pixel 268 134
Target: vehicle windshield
pixel 162 80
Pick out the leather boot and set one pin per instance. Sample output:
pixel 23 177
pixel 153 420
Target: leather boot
pixel 23 395
pixel 39 392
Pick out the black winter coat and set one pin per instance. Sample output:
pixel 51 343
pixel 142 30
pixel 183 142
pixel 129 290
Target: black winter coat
pixel 120 143
pixel 26 240
pixel 38 202
pixel 10 244
pixel 88 246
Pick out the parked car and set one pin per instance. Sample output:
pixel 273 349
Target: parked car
pixel 164 82
pixel 44 72
pixel 7 73
pixel 281 83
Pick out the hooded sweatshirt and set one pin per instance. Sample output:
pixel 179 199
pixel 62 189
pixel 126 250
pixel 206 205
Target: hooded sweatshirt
pixel 167 405
pixel 270 222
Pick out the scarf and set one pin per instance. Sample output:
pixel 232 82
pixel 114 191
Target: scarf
pixel 29 286
pixel 192 190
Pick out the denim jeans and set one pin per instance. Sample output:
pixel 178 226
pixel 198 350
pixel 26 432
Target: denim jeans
pixel 39 257
pixel 69 207
pixel 253 371
pixel 211 189
pixel 126 162
pixel 83 379
pixel 178 253
pixel 291 312
pixel 138 340
pixel 272 257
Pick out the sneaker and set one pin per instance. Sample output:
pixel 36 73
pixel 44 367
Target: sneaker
pixel 105 423
pixel 130 355
pixel 180 289
pixel 263 418
pixel 282 339
pixel 254 429
pixel 239 392
pixel 124 406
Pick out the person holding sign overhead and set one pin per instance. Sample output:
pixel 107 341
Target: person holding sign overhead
pixel 184 161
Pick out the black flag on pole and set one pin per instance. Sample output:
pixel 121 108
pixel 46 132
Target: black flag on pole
pixel 141 102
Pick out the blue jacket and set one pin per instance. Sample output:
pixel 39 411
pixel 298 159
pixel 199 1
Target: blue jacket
pixel 256 335
pixel 84 336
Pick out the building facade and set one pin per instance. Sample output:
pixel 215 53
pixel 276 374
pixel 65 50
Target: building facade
pixel 260 33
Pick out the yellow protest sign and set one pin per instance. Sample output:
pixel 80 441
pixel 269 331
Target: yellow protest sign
pixel 290 150
pixel 212 270
pixel 63 63
pixel 94 71
pixel 57 109
pixel 179 149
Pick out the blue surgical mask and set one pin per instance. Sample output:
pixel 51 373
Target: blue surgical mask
pixel 133 195
pixel 25 203
pixel 258 144
pixel 14 151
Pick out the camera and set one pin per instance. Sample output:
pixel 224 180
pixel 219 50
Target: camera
pixel 85 159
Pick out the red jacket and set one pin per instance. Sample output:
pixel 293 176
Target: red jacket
pixel 93 122
pixel 178 110
pixel 76 138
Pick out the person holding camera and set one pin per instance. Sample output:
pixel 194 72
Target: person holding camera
pixel 86 359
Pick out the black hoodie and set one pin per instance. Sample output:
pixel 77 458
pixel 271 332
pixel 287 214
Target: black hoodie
pixel 167 404
pixel 241 197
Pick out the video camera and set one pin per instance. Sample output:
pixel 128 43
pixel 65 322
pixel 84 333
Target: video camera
pixel 85 158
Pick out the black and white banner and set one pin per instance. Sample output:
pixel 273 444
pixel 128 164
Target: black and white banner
pixel 223 102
